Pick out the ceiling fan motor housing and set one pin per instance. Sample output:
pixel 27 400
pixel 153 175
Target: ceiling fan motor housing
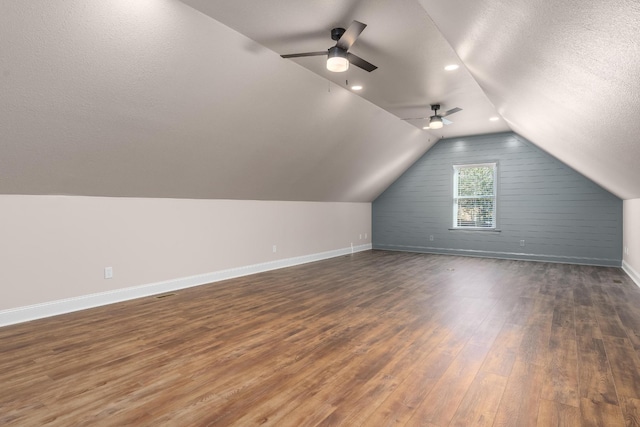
pixel 336 33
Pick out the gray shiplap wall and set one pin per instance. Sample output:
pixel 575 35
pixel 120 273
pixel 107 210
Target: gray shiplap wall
pixel 561 215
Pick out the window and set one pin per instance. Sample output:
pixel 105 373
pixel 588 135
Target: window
pixel 474 196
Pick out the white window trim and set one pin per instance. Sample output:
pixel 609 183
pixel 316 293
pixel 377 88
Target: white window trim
pixel 456 168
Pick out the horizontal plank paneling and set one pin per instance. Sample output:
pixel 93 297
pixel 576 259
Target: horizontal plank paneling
pixel 557 211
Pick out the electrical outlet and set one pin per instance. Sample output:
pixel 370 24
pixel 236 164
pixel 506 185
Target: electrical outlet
pixel 431 238
pixel 365 235
pixel 108 272
pixel 360 236
pixel 521 242
pixel 275 249
pixel 626 250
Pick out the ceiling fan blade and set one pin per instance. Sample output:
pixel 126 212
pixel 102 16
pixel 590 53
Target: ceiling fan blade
pixel 446 121
pixel 349 37
pixel 416 118
pixel 300 55
pixel 359 62
pixel 451 111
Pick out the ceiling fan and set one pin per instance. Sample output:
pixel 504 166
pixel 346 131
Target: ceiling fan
pixel 338 57
pixel 437 120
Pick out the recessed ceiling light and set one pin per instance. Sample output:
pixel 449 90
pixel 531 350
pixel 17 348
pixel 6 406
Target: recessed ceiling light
pixel 452 67
pixel 356 87
pixel 494 119
pixel 425 127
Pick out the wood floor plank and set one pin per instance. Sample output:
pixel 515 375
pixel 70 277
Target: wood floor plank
pixel 611 325
pixel 596 382
pixel 440 405
pixel 370 339
pixel 356 408
pixel 625 366
pixel 630 322
pixel 504 350
pixel 534 346
pixel 521 398
pixel 371 361
pixel 561 379
pixel 554 414
pixel 480 403
pixel 586 322
pixel 564 313
pixel 462 327
pixel 398 408
pixel 631 411
pixel 411 358
pixel 594 414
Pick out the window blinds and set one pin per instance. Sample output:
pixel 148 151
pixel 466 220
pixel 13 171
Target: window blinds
pixel 474 196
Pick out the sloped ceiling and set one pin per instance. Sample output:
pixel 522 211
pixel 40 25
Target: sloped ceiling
pixel 563 74
pixel 162 98
pixel 151 98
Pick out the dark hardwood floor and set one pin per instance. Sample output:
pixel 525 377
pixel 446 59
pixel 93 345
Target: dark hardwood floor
pixel 373 339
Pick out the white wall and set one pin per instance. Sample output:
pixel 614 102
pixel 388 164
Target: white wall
pixel 631 238
pixel 56 247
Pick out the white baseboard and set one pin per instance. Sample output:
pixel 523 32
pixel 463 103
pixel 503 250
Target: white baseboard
pixel 68 305
pixel 635 276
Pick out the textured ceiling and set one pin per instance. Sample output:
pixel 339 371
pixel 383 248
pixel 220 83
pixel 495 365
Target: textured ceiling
pixel 162 98
pixel 564 74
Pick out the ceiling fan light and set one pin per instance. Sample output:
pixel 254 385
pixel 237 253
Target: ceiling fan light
pixel 435 122
pixel 337 61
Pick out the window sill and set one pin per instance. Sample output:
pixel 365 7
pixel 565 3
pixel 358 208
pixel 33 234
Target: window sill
pixel 484 230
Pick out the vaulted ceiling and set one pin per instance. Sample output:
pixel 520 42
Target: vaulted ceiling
pixel 563 74
pixel 162 98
